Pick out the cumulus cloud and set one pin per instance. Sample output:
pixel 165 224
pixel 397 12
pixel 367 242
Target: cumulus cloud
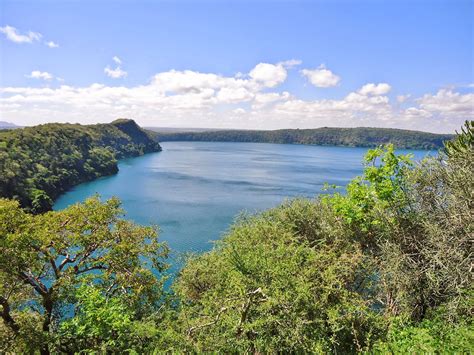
pixel 264 99
pixel 36 74
pixel 234 95
pixel 250 100
pixel 117 72
pixel 321 77
pixel 269 75
pixel 14 35
pixel 447 102
pixel 415 113
pixel 375 89
pixel 52 44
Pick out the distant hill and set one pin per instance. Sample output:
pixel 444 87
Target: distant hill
pixel 8 125
pixel 39 163
pixel 182 129
pixel 350 137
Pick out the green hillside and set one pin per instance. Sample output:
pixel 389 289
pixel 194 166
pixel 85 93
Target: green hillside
pixel 351 137
pixel 39 163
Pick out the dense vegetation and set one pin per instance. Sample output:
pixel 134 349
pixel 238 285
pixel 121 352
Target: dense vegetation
pixel 384 268
pixel 84 261
pixel 352 137
pixel 39 163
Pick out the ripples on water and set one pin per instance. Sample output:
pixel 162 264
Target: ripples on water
pixel 194 190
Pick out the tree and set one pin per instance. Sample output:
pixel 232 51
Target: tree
pixel 417 222
pixel 287 280
pixel 39 163
pixel 45 259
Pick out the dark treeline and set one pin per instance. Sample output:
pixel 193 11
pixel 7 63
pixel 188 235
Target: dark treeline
pixel 39 163
pixel 351 137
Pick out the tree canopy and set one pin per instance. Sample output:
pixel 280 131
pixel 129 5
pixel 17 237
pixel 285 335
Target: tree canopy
pixel 39 163
pixel 351 137
pixel 48 260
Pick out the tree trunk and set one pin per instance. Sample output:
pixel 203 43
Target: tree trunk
pixel 48 313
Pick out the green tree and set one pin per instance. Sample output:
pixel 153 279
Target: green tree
pixel 39 163
pixel 416 222
pixel 44 260
pixel 286 280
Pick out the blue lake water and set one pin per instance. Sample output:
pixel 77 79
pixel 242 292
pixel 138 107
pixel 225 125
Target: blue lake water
pixel 194 190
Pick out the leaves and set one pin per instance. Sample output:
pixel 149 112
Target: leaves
pixel 39 163
pixel 52 255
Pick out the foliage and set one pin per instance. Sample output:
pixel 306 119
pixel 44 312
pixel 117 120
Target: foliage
pixel 352 137
pixel 463 141
pixel 44 260
pixel 104 324
pixel 39 163
pixel 428 337
pixel 384 268
pixel 381 187
pixel 282 281
pixel 100 323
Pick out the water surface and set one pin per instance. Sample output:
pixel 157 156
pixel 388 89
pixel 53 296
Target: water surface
pixel 194 190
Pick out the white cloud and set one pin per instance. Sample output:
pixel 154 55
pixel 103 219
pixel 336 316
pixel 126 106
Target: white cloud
pixel 375 89
pixel 234 95
pixel 321 77
pixel 447 102
pixel 415 113
pixel 264 99
pixel 291 63
pixel 36 74
pixel 52 44
pixel 239 111
pixel 190 98
pixel 117 60
pixel 269 75
pixel 402 98
pixel 117 72
pixel 13 35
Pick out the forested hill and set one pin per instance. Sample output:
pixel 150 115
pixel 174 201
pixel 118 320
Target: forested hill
pixel 351 137
pixel 39 163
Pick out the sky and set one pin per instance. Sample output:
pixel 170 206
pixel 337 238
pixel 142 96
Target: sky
pixel 258 64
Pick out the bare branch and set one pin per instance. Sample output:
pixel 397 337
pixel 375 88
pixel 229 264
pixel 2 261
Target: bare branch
pixel 192 329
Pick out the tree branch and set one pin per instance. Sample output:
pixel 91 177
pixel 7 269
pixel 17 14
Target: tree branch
pixel 246 307
pixel 192 329
pixel 90 268
pixel 32 281
pixel 6 316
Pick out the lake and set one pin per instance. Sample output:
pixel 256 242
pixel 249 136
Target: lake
pixel 194 190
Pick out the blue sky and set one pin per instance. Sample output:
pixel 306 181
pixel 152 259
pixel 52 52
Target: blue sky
pixel 405 64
